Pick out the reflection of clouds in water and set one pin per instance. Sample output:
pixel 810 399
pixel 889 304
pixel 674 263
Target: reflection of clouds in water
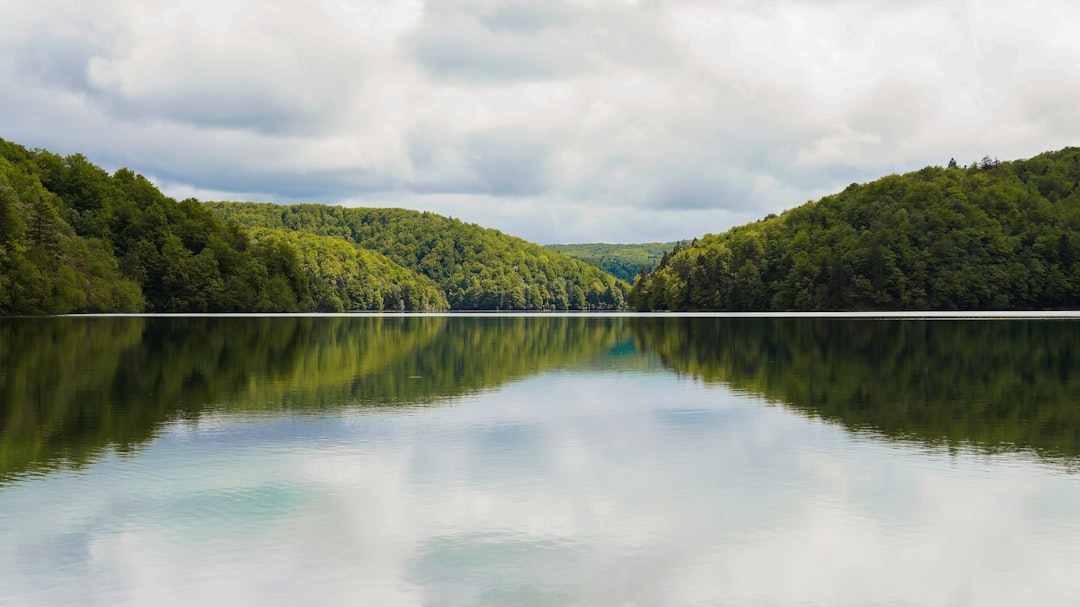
pixel 561 489
pixel 970 540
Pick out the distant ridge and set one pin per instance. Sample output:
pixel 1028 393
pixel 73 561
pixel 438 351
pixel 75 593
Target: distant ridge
pixel 623 261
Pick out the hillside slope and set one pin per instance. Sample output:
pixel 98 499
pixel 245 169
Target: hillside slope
pixel 342 276
pixel 624 261
pixel 995 235
pixel 477 268
pixel 74 238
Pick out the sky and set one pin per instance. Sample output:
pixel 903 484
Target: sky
pixel 559 121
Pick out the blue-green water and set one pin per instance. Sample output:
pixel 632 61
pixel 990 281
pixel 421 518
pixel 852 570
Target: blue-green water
pixel 539 461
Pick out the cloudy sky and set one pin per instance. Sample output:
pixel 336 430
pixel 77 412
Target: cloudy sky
pixel 557 121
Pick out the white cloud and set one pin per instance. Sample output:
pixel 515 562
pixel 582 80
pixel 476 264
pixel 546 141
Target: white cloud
pixel 625 117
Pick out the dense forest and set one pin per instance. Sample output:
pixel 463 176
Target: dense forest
pixel 477 268
pixel 993 235
pixel 342 276
pixel 990 385
pixel 624 261
pixel 74 238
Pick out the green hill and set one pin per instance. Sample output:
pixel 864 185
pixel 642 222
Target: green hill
pixel 74 238
pixel 342 276
pixel 995 235
pixel 623 261
pixel 477 268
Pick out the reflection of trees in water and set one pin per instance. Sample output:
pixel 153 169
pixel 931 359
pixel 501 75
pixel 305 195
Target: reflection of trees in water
pixel 996 385
pixel 70 387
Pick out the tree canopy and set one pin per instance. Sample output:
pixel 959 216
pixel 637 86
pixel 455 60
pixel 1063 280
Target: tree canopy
pixel 624 261
pixel 74 238
pixel 995 235
pixel 342 276
pixel 477 268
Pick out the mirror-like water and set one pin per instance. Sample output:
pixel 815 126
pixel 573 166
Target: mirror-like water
pixel 539 461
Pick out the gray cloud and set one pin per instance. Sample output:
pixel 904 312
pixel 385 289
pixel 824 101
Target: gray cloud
pixel 264 69
pixel 511 42
pixel 639 121
pixel 510 165
pixel 308 186
pixel 496 41
pixel 526 16
pixel 286 74
pixel 702 188
pixel 472 53
pixel 497 163
pixel 60 64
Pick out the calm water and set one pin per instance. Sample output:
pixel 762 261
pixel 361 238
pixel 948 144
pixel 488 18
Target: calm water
pixel 539 461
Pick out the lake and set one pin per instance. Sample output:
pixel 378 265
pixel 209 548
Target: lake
pixel 539 460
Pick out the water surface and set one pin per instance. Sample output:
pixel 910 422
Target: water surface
pixel 585 460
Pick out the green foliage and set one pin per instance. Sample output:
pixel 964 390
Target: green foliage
pixel 45 266
pixel 996 235
pixel 75 239
pixel 624 261
pixel 477 268
pixel 342 276
pixel 992 385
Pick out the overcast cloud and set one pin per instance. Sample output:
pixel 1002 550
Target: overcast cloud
pixel 558 121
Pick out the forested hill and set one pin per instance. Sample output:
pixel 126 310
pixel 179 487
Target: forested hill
pixel 623 261
pixel 74 238
pixel 994 235
pixel 477 268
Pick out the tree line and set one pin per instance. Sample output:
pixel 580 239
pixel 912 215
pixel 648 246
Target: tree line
pixel 75 238
pixel 477 268
pixel 993 235
pixel 623 261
